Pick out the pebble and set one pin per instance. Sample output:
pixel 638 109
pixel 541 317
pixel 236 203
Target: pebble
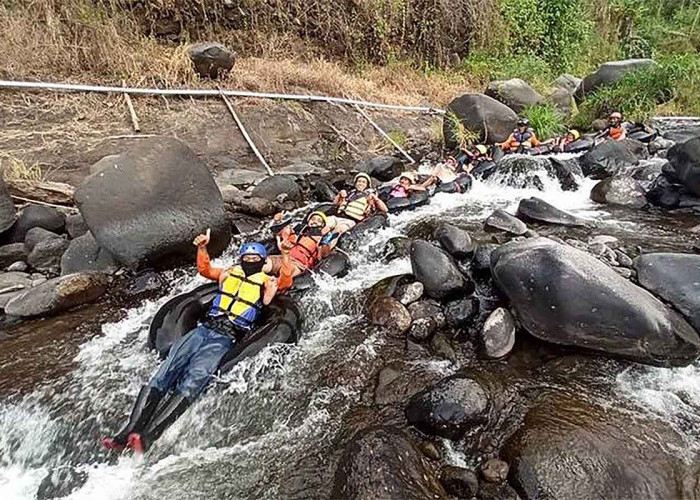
pixel 623 259
pixel 494 470
pixel 624 272
pixel 18 266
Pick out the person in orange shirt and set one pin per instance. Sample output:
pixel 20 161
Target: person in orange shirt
pixel 522 138
pixel 615 129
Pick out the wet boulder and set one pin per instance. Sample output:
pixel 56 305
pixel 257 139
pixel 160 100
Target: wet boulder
pixel 243 202
pixel 568 297
pixel 277 187
pixel 36 235
pixel 665 193
pixel 383 461
pixel 455 240
pixel 400 380
pixel 609 73
pixel 408 294
pixel 85 254
pixel 685 159
pixel 75 225
pixel 390 313
pixel 500 220
pixel 532 172
pixel 38 216
pixel 675 277
pixel 58 294
pixel 211 60
pixel 8 215
pixel 459 482
pixel 9 254
pixel 383 168
pixel 515 93
pixel 397 248
pixel 449 408
pixel 612 157
pixel 620 190
pixel 149 208
pixel 458 313
pixel 46 255
pixel 537 210
pixel 481 262
pixel 437 271
pixel 498 335
pixel 479 114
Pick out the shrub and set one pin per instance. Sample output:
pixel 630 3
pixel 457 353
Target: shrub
pixel 546 120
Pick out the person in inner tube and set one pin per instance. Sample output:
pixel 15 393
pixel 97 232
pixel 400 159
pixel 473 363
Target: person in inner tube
pixel 244 290
pixel 443 173
pixel 307 244
pixel 562 143
pixel 406 186
pixel 360 203
pixel 522 138
pixel 474 155
pixel 615 130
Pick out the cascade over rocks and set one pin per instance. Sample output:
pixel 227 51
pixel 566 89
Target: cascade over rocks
pixel 148 209
pixel 211 60
pixel 538 210
pixel 480 114
pixel 566 296
pixel 515 93
pixel 675 277
pixel 500 220
pixel 612 157
pixel 436 270
pixel 449 408
pixel 524 171
pixel 455 240
pixel 382 459
pixel 608 73
pixel 85 254
pixel 619 190
pixel 685 159
pixel 271 188
pixel 7 208
pixel 58 294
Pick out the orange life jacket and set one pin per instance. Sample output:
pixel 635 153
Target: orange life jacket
pixel 616 132
pixel 517 139
pixel 305 251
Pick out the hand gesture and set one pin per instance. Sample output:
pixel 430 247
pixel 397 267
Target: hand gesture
pixel 284 245
pixel 343 194
pixel 203 239
pixel 278 217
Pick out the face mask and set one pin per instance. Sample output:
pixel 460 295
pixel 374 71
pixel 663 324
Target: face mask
pixel 314 231
pixel 250 268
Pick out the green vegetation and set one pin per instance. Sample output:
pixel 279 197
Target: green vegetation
pixel 462 136
pixel 546 120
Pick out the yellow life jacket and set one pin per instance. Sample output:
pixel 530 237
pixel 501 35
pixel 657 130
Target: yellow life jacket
pixel 240 297
pixel 355 206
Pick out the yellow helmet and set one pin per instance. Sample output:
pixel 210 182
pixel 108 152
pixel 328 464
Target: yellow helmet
pixel 320 214
pixel 575 134
pixel 482 149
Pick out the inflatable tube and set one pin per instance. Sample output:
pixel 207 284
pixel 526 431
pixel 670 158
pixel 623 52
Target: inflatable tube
pixel 280 321
pixel 336 264
pixel 484 169
pixel 416 200
pixel 579 146
pixel 461 184
pixel 643 136
pixel 353 238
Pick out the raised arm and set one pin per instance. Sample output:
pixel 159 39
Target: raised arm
pixel 204 266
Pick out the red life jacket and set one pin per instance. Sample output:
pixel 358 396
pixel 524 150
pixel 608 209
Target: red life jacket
pixel 305 251
pixel 519 138
pixel 616 132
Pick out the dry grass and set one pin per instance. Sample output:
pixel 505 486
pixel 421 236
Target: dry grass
pixel 14 169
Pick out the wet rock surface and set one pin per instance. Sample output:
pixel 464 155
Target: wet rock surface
pixel 501 220
pixel 498 335
pixel 480 113
pixel 619 190
pixel 455 240
pixel 538 210
pixel 436 270
pixel 459 482
pixel 611 158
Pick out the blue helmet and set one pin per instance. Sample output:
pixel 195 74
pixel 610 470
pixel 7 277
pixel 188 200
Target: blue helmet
pixel 254 249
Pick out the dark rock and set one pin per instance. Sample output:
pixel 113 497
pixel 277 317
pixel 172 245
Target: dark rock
pixel 647 172
pixel 664 193
pixel 427 309
pixel 660 144
pixel 383 168
pixel 273 187
pixel 675 277
pixel 400 380
pixel 501 220
pixel 612 157
pixel 75 225
pixel 46 255
pixel 515 93
pixel 538 210
pixel 9 254
pixel 482 257
pixel 58 294
pixel 498 335
pixel 526 172
pixel 455 240
pixel 211 60
pixel 8 215
pixel 410 293
pixel 619 190
pixel 149 209
pixel 480 114
pixel 449 408
pixel 323 191
pixel 565 296
pixel 422 329
pixel 382 461
pixel 430 450
pixel 250 205
pixel 85 254
pixel 608 73
pixel 442 348
pixel 458 313
pixel 494 471
pixel 37 235
pixel 38 216
pixel 459 482
pixel 436 270
pixel 142 283
pixel 390 313
pixel 397 248
pixel 492 491
pixel 685 159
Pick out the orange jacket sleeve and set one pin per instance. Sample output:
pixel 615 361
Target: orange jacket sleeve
pixel 285 280
pixel 534 140
pixel 204 266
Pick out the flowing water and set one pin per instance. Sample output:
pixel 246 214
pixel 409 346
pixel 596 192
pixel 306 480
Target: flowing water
pixel 267 429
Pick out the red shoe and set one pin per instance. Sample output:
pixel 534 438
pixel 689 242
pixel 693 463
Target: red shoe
pixel 110 444
pixel 135 442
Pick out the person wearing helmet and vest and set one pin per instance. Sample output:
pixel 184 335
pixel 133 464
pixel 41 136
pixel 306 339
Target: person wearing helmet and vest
pixel 443 173
pixel 360 203
pixel 475 155
pixel 522 138
pixel 560 145
pixel 615 129
pixel 406 186
pixel 308 243
pixel 243 291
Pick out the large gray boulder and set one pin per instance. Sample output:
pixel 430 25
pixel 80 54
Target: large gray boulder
pixel 437 271
pixel 537 210
pixel 567 82
pixel 515 93
pixel 46 255
pixel 675 277
pixel 58 294
pixel 609 73
pixel 277 187
pixel 12 284
pixel 566 296
pixel 612 157
pixel 455 240
pixel 620 190
pixel 480 114
pixel 8 215
pixel 211 60
pixel 147 209
pixel 685 159
pixel 500 220
pixel 383 168
pixel 382 462
pixel 85 254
